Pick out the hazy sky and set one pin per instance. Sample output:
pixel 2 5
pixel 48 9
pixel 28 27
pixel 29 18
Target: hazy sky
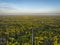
pixel 29 6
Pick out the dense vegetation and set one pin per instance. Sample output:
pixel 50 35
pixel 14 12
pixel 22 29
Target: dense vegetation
pixel 17 30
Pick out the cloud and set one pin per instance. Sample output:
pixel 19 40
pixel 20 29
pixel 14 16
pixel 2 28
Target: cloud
pixel 14 9
pixel 8 8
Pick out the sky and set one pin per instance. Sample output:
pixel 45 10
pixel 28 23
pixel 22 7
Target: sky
pixel 16 7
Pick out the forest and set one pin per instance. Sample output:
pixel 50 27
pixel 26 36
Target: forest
pixel 17 30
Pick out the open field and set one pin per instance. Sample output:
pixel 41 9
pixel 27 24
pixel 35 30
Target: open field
pixel 17 30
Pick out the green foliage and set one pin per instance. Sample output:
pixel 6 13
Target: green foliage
pixel 17 30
